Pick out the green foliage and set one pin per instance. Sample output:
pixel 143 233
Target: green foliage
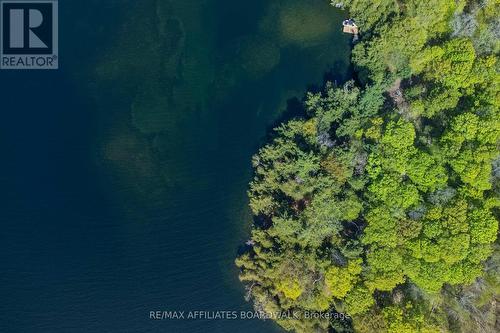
pixel 450 64
pixel 291 288
pixel 359 300
pixel 340 280
pixel 384 197
pixel 369 13
pixel 407 320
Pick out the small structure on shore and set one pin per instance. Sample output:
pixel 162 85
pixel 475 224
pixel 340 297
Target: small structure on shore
pixel 350 27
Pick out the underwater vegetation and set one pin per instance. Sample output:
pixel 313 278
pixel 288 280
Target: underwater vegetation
pixel 177 63
pixel 301 23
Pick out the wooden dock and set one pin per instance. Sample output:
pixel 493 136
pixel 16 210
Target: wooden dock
pixel 350 27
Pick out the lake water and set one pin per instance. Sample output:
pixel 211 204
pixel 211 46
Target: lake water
pixel 124 173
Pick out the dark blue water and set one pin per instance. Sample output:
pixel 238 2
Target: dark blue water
pixel 124 174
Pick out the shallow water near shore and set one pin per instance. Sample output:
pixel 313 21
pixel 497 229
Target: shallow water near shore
pixel 125 172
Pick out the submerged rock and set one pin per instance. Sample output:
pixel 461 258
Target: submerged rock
pixel 150 110
pixel 299 23
pixel 258 56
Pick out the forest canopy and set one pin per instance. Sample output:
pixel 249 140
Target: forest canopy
pixel 382 201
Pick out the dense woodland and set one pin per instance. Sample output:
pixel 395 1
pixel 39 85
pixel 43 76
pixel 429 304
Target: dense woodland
pixel 383 201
